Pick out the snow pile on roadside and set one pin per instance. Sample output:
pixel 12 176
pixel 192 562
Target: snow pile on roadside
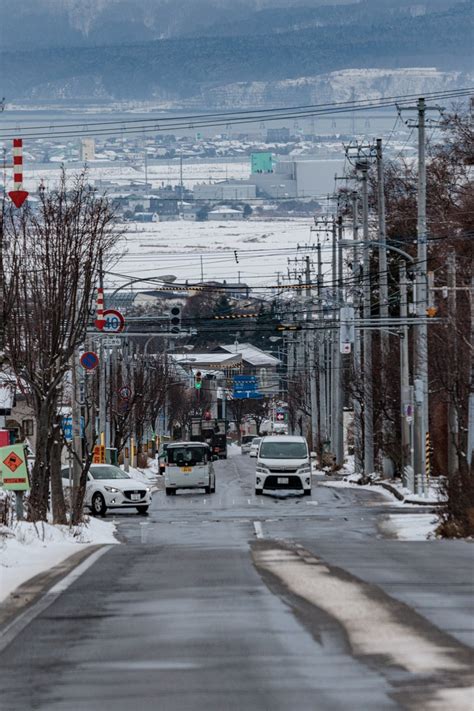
pixel 233 450
pixel 27 549
pixel 147 476
pixel 351 484
pixel 411 527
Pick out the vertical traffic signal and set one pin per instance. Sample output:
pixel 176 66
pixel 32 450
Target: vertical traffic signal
pixel 198 380
pixel 175 319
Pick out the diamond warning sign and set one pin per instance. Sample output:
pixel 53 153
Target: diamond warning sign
pixel 13 461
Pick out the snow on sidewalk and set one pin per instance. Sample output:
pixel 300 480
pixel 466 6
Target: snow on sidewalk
pixel 27 549
pixel 411 527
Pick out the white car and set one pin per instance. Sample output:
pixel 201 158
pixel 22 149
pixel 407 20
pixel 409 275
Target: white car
pixel 109 487
pixel 254 446
pixel 284 462
pixel 246 443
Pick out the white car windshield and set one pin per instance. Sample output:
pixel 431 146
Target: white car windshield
pixel 256 440
pixel 283 450
pixel 105 472
pixel 187 456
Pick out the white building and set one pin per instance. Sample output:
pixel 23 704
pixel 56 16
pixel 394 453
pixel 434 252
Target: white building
pixel 87 149
pixel 235 190
pixel 225 213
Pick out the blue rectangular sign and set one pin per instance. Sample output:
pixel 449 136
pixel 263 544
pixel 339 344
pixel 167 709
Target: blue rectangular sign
pixel 66 426
pixel 247 395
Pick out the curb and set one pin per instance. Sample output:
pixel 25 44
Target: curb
pixel 406 499
pixel 28 593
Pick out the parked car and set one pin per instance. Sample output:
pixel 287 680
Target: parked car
pixel 245 443
pixel 254 446
pixel 109 487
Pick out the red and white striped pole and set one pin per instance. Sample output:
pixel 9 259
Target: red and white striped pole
pixel 100 320
pixel 18 195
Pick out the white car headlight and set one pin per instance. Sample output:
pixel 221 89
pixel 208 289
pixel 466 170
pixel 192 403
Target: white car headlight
pixel 304 470
pixel 111 489
pixel 262 470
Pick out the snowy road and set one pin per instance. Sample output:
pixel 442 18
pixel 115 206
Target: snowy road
pixel 231 601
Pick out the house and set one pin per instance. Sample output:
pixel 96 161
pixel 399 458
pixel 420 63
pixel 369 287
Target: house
pixel 146 217
pixel 225 213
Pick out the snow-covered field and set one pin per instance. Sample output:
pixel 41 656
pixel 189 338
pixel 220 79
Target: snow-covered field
pixel 166 172
pixel 263 248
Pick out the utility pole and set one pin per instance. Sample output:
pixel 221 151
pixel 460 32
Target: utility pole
pixel 311 343
pixel 323 423
pixel 337 417
pixel 362 165
pixel 406 392
pixel 453 425
pixel 357 357
pixel 387 464
pixel 421 331
pixel 470 425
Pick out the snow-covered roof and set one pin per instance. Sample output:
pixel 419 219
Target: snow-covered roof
pixel 195 359
pixel 225 210
pixel 252 354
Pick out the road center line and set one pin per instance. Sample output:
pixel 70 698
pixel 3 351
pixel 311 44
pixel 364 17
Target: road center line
pixel 258 529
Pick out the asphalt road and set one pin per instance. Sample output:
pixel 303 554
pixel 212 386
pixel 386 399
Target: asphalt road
pixel 232 602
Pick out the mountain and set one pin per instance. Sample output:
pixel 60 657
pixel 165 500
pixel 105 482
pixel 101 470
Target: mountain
pixel 280 44
pixel 66 23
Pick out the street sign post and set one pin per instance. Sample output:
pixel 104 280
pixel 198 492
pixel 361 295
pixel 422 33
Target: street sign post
pixel 89 360
pixel 125 392
pixel 114 321
pixel 66 426
pixel 111 342
pixel 13 468
pixel 246 387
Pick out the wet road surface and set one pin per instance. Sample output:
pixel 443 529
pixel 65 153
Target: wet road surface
pixel 229 601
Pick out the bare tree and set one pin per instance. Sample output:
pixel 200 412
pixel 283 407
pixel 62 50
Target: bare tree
pixel 51 268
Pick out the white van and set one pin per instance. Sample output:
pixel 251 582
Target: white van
pixel 189 465
pixel 283 462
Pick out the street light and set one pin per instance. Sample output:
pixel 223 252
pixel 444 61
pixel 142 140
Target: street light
pixel 373 243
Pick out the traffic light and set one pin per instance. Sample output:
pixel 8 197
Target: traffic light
pixel 175 319
pixel 198 380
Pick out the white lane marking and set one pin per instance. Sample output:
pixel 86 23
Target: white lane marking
pixel 312 503
pixel 17 625
pixel 248 501
pixel 258 529
pixel 373 626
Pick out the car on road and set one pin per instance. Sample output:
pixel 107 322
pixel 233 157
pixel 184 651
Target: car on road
pixel 284 462
pixel 109 487
pixel 254 446
pixel 189 465
pixel 245 443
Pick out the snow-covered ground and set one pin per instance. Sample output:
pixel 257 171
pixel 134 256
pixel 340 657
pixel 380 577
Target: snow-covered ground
pixel 27 549
pixel 411 527
pixel 166 172
pixel 154 249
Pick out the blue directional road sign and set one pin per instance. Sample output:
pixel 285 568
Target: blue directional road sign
pixel 247 395
pixel 66 426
